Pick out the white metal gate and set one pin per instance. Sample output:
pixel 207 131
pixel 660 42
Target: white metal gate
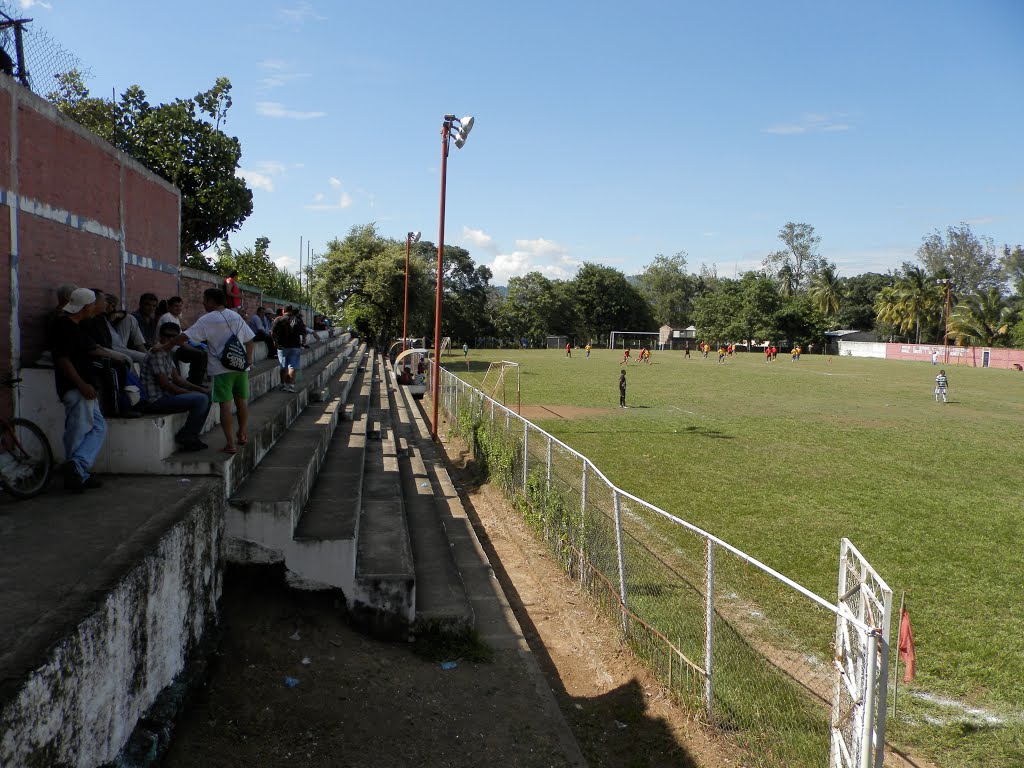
pixel 862 663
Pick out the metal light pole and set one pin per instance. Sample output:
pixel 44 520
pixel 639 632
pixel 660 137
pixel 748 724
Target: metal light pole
pixel 410 238
pixel 945 339
pixel 464 126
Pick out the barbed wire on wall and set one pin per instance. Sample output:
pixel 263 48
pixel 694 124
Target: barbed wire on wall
pixel 29 54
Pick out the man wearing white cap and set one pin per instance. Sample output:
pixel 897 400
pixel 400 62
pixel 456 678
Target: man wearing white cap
pixel 84 425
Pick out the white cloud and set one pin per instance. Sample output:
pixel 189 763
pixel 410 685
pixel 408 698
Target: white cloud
pixel 881 260
pixel 276 109
pixel 344 201
pixel 810 123
pixel 26 4
pixel 334 182
pixel 300 13
pixel 982 220
pixel 545 256
pixel 257 180
pixel 261 175
pixel 477 238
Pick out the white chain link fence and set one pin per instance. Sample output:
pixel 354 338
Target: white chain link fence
pixel 729 637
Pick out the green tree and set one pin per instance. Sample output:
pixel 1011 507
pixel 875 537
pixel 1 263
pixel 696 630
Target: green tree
pixel 799 261
pixel 715 311
pixel 970 261
pixel 668 289
pixel 533 309
pixel 608 302
pixel 178 142
pixel 826 292
pixel 983 319
pixel 363 278
pixel 1012 264
pixel 857 309
pixel 914 300
pixel 464 312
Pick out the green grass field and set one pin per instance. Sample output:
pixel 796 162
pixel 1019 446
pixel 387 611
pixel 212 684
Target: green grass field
pixel 783 460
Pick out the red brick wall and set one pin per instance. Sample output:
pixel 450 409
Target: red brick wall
pixel 971 357
pixel 60 167
pixel 73 189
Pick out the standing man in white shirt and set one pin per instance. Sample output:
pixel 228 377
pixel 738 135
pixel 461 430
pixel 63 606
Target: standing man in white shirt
pixel 215 328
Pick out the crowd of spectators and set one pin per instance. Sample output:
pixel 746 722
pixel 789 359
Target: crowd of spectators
pixel 109 362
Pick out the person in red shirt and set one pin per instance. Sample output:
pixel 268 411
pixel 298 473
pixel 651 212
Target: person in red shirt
pixel 232 293
pixel 568 350
pixel 625 356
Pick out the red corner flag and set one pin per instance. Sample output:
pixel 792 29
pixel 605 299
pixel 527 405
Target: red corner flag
pixel 905 649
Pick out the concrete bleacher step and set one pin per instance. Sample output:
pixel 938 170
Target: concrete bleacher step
pixel 442 603
pixel 269 419
pixel 383 597
pixel 263 512
pixel 322 551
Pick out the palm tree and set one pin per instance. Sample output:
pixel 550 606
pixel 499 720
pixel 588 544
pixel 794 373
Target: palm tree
pixel 983 319
pixel 920 299
pixel 826 292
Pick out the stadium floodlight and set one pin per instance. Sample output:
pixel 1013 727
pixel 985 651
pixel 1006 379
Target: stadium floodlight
pixel 461 129
pixel 410 238
pixel 462 132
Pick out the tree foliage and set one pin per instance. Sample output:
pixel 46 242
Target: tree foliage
pixel 178 142
pixel 668 289
pixel 970 261
pixel 1012 264
pixel 255 268
pixel 795 265
pixel 608 302
pixel 984 319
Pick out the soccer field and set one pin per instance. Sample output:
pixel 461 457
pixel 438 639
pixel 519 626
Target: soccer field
pixel 783 460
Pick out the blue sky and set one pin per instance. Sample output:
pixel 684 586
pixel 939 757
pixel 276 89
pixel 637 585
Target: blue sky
pixel 606 132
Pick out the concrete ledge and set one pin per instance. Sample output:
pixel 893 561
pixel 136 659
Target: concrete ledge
pixel 84 671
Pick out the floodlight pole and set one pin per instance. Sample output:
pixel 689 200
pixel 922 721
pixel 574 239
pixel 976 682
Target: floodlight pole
pixel 446 132
pixel 945 339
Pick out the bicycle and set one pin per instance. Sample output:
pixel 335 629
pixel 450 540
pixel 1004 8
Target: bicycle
pixel 26 460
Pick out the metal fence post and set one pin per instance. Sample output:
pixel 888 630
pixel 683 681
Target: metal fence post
pixel 709 626
pixel 583 525
pixel 547 475
pixel 868 720
pixel 622 559
pixel 526 452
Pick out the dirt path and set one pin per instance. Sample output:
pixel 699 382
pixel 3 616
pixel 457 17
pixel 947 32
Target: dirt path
pixel 360 702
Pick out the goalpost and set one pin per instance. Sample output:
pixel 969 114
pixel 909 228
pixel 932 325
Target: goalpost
pixel 624 338
pixel 497 377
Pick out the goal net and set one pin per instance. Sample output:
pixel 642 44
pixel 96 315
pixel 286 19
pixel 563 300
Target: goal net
pixel 502 381
pixel 633 339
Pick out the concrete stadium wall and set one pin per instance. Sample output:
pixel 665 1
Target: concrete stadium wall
pixel 972 357
pixel 81 706
pixel 73 209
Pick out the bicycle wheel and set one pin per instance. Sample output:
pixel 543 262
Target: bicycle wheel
pixel 26 461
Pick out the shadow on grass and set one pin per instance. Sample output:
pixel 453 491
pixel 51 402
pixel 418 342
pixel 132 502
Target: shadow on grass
pixel 690 430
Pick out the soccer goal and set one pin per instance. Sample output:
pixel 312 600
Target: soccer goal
pixel 498 381
pixel 633 339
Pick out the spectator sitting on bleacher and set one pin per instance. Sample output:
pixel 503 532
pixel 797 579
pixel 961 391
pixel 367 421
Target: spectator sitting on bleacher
pixel 165 391
pixel 127 326
pixel 114 318
pixel 113 372
pixel 194 356
pixel 145 317
pixel 261 327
